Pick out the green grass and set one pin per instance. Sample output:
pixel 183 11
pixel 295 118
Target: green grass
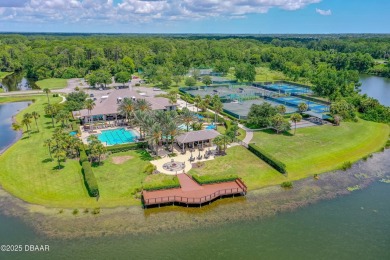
pixel 221 129
pixel 27 172
pixel 241 162
pixel 320 149
pixel 52 83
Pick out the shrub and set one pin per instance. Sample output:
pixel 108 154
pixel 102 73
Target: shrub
pixel 125 147
pixel 89 179
pixel 286 184
pixel 77 89
pixel 86 211
pixel 208 179
pixel 61 211
pixel 149 168
pixel 95 211
pixel 387 144
pixel 75 212
pixel 137 84
pixel 83 156
pixel 346 165
pixel 161 182
pixel 269 159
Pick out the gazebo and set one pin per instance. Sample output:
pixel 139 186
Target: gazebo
pixel 196 137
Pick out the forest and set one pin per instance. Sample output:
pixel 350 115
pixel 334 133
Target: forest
pixel 331 64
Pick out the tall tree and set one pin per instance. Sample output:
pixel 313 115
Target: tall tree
pixel 295 118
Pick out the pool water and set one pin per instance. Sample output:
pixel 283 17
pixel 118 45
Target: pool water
pixel 211 126
pixel 117 136
pixel 73 133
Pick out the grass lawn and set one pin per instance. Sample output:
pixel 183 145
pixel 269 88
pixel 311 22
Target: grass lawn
pixel 28 173
pixel 240 161
pixel 321 149
pixel 52 83
pixel 221 129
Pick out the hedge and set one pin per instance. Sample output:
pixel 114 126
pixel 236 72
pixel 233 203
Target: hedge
pixel 269 159
pixel 89 179
pixel 125 147
pixel 208 179
pixel 167 182
pixel 83 156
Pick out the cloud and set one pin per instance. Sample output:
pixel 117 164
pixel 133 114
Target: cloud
pixel 139 11
pixel 324 12
pixel 13 3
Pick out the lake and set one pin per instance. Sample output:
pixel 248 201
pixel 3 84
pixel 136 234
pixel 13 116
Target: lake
pixel 7 135
pixel 376 87
pixel 356 226
pixel 17 82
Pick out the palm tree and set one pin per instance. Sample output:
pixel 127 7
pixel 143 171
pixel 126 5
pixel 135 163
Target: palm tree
pixel 218 107
pixel 26 122
pixel 203 105
pixel 90 105
pixel 126 108
pixel 49 143
pixel 295 118
pixel 17 127
pixel 29 117
pixel 143 105
pixel 197 100
pixel 156 134
pixel 302 107
pixel 47 91
pixel 208 99
pixel 63 116
pixel 281 109
pixel 60 154
pixel 51 110
pixel 35 115
pixel 225 140
pixel 187 117
pixel 172 131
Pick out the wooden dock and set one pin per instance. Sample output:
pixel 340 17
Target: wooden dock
pixel 191 193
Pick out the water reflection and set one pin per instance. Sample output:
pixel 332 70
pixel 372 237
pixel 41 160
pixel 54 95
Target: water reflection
pixel 17 82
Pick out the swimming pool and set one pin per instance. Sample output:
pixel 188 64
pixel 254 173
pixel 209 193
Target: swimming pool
pixel 212 126
pixel 117 136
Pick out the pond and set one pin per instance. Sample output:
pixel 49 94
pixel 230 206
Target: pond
pixel 376 87
pixel 7 135
pixel 17 82
pixel 356 226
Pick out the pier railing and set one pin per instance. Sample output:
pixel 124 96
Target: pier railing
pixel 201 200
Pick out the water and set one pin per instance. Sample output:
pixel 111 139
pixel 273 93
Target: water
pixel 376 87
pixel 17 82
pixel 356 226
pixel 117 136
pixel 7 135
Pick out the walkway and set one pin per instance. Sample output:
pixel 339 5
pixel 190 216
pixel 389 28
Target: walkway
pixel 190 192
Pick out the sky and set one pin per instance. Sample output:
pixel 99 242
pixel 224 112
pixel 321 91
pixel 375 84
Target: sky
pixel 196 16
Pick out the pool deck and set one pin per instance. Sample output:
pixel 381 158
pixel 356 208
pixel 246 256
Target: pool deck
pixel 192 193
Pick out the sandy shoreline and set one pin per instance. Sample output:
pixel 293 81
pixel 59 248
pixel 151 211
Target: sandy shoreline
pixel 257 204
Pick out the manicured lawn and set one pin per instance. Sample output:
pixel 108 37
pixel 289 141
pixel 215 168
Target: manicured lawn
pixel 320 149
pixel 52 83
pixel 28 173
pixel 240 161
pixel 221 129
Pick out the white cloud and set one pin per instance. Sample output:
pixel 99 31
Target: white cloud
pixel 324 12
pixel 130 11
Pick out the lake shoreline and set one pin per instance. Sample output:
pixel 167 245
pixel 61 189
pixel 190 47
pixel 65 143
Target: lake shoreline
pixel 258 204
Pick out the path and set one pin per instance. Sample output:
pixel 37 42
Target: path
pixel 187 183
pixel 191 192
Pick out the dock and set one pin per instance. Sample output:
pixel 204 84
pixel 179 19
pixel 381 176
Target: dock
pixel 192 193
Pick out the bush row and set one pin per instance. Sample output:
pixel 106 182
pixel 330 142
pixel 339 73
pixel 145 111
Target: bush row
pixel 89 177
pixel 269 159
pixel 125 147
pixel 208 179
pixel 167 182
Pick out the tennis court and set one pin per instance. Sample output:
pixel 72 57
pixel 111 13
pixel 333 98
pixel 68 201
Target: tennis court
pixel 289 89
pixel 295 101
